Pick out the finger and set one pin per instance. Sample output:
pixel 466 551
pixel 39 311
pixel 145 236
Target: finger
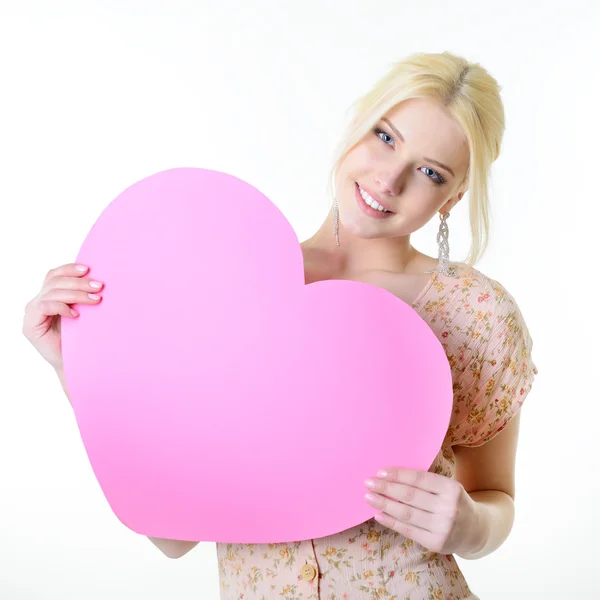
pixel 405 493
pixel 71 296
pixel 68 270
pixel 425 538
pixel 53 303
pixel 424 480
pixel 407 514
pixel 49 308
pixel 38 312
pixel 66 282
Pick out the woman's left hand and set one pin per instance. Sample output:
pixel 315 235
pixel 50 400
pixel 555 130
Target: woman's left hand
pixel 433 510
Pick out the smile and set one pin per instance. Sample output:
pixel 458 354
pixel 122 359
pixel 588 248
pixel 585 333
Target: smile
pixel 370 206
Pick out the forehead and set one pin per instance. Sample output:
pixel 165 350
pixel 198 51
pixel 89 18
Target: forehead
pixel 429 130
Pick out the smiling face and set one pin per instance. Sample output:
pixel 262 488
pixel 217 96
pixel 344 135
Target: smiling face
pixel 399 165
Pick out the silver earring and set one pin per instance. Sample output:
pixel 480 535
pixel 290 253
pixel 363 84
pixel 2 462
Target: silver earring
pixel 336 221
pixel 444 247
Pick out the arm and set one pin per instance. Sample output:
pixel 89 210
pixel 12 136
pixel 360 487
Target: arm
pixel 487 473
pixel 170 548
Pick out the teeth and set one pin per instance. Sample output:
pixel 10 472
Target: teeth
pixel 372 203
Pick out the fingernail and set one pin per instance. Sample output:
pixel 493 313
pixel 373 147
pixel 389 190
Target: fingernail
pixel 94 296
pixel 383 473
pixel 81 268
pixel 372 498
pixel 370 483
pixel 95 284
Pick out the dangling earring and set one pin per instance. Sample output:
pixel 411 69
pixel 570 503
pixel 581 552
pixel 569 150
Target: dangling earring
pixel 336 219
pixel 444 247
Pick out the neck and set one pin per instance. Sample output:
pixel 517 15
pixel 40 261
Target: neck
pixel 355 254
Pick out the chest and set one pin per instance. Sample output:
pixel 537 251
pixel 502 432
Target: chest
pixel 406 287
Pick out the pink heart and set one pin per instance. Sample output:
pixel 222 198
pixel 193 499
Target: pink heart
pixel 221 399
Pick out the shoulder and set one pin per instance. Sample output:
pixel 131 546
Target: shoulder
pixel 491 355
pixel 493 312
pixel 475 288
pixel 475 309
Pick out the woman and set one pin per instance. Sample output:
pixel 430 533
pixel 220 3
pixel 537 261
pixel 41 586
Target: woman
pixel 424 135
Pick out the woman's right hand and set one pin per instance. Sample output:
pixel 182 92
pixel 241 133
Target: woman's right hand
pixel 62 287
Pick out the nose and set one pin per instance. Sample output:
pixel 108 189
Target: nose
pixel 388 183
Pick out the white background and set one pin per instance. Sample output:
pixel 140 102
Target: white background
pixel 95 96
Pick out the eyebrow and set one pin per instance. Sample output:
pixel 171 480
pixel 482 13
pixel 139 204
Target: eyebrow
pixel 439 164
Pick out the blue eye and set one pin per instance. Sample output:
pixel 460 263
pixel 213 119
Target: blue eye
pixel 378 131
pixel 437 178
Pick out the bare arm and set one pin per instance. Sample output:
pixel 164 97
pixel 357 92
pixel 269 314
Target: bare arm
pixel 170 548
pixel 488 475
pixel 61 377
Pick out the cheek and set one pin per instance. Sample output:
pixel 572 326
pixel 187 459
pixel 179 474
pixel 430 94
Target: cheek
pixel 422 211
pixel 422 196
pixel 367 155
pixel 359 159
pixel 416 210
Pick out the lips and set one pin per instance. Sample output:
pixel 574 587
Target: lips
pixel 371 212
pixel 375 197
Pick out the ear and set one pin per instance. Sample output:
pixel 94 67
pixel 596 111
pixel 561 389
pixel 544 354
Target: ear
pixel 448 206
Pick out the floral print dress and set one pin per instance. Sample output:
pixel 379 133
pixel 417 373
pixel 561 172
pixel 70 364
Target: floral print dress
pixel 489 349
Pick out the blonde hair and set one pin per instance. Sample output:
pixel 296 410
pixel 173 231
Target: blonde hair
pixel 471 96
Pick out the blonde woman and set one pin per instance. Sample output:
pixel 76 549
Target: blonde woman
pixel 427 133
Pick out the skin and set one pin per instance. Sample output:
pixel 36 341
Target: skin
pixel 395 171
pixel 471 515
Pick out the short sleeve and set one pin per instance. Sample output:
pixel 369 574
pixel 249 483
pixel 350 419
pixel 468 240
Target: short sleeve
pixel 499 376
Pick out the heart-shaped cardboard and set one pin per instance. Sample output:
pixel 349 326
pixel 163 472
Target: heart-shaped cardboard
pixel 220 398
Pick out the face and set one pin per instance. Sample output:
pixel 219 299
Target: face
pixel 397 165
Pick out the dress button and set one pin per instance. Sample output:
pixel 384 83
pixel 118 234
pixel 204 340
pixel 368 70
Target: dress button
pixel 308 572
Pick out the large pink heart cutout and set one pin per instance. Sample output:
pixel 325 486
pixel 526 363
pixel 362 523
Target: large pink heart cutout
pixel 218 397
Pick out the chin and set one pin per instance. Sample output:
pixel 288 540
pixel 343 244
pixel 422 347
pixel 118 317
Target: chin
pixel 368 233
